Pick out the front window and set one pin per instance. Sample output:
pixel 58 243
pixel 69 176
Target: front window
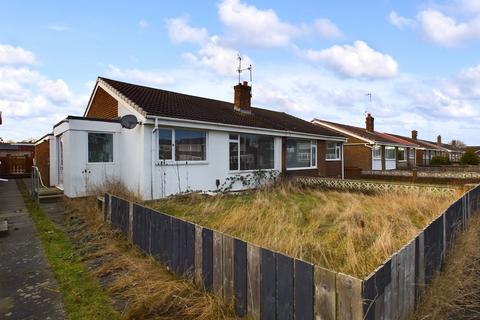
pixel 334 151
pixel 402 154
pixel 377 152
pixel 190 145
pixel 412 154
pixel 255 152
pixel 181 144
pixel 100 147
pixel 301 153
pixel 390 153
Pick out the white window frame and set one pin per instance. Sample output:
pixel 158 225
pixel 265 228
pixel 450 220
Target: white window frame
pixel 386 153
pixel 313 160
pixel 337 147
pixel 238 152
pixel 172 159
pixel 405 157
pixel 374 149
pixel 113 148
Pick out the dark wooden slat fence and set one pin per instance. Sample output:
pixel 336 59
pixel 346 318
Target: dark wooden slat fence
pixel 270 285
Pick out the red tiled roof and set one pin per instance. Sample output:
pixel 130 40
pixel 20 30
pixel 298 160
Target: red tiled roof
pixel 364 133
pixel 157 102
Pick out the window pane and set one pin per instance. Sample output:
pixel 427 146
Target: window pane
pixel 100 147
pixel 333 151
pixel 401 154
pixel 314 154
pixel 299 153
pixel 256 152
pixel 165 144
pixel 190 145
pixel 233 155
pixel 390 153
pixel 377 153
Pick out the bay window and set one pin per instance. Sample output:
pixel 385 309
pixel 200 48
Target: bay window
pixel 251 152
pixel 334 151
pixel 100 147
pixel 182 144
pixel 301 153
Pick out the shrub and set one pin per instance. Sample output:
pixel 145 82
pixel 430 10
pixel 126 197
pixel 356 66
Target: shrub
pixel 469 157
pixel 440 160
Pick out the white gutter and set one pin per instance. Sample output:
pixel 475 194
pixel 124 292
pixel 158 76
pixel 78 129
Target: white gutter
pixel 155 128
pixel 229 127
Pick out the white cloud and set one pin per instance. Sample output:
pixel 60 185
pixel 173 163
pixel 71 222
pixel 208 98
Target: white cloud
pixel 15 55
pixel 327 29
pixel 250 26
pixel 400 22
pixel 147 77
pixel 445 30
pixel 143 23
pixel 180 31
pixel 355 61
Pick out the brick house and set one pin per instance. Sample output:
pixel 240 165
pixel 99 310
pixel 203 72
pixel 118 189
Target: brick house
pixel 181 143
pixel 426 150
pixel 367 149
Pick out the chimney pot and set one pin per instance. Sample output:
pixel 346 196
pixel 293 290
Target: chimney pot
pixel 245 83
pixel 370 123
pixel 414 134
pixel 439 140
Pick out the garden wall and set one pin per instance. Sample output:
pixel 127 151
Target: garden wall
pixel 270 285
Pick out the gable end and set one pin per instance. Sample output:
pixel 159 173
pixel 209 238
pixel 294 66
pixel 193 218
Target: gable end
pixel 103 105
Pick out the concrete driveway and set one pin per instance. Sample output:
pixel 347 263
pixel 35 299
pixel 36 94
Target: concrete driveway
pixel 28 289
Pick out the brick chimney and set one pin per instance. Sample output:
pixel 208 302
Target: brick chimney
pixel 243 97
pixel 439 140
pixel 369 122
pixel 414 134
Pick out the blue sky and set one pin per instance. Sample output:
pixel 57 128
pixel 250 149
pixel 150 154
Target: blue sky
pixel 312 59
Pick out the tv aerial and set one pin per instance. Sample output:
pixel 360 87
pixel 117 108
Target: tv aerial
pixel 240 70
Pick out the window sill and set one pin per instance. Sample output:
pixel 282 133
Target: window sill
pixel 338 159
pixel 97 163
pixel 180 163
pixel 249 171
pixel 302 168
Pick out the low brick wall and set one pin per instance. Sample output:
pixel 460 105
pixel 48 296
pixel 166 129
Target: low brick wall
pixel 424 174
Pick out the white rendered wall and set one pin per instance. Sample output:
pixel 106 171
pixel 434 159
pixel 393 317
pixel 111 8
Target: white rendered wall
pixel 175 178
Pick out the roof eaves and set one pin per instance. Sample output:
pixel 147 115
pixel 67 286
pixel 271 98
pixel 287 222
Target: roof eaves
pixel 123 97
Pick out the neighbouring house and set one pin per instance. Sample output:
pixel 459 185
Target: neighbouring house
pixel 425 150
pixel 455 152
pixel 367 149
pixel 16 159
pixel 179 143
pixel 43 156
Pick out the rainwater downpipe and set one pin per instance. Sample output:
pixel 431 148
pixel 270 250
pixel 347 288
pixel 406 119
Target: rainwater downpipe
pixel 152 163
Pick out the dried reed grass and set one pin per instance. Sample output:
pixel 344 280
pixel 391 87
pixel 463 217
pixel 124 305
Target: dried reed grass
pixel 455 291
pixel 348 232
pixel 139 286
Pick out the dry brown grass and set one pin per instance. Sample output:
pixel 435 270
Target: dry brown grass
pixel 344 231
pixel 455 292
pixel 140 288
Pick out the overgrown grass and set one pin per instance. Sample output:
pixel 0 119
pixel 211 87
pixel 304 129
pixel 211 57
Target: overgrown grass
pixel 83 297
pixel 344 231
pixel 140 287
pixel 455 292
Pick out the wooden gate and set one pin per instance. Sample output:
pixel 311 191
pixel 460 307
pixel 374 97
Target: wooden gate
pixel 17 165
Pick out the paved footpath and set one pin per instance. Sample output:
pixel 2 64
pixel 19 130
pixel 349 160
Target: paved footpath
pixel 28 289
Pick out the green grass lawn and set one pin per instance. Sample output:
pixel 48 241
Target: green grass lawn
pixel 345 231
pixel 83 297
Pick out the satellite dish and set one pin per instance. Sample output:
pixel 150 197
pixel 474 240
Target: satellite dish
pixel 128 121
